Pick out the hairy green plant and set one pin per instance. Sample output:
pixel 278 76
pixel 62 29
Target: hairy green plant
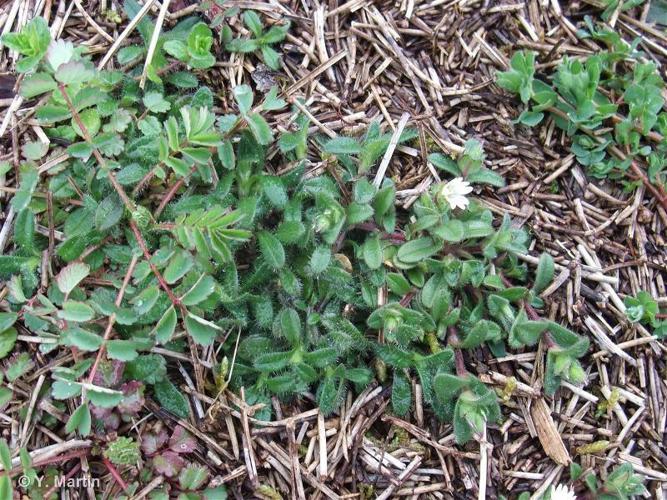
pixel 175 230
pixel 261 39
pixel 610 104
pixel 645 310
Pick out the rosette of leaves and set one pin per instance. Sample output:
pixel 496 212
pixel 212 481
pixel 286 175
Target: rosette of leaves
pixel 189 42
pixel 644 309
pixel 621 484
pixel 467 402
pixel 167 456
pixel 469 165
pixel 261 40
pixel 562 358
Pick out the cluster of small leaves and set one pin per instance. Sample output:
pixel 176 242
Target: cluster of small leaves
pixel 610 99
pixel 260 40
pixel 621 483
pixel 283 269
pixel 167 457
pixel 645 310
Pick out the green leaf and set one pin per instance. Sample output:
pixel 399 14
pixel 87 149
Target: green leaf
pixel 320 259
pixel 357 212
pixel 76 311
pixel 342 145
pixel 544 274
pixel 164 329
pixel 243 96
pixel 124 350
pixel 204 287
pixel 37 84
pixel 401 394
pixel 64 389
pixel 202 331
pixel 272 102
pixel 372 251
pixel 253 22
pixel 80 421
pixel 7 319
pixel 103 397
pixel 82 339
pixel 272 250
pixel 155 102
pixel 171 399
pixel 290 325
pixel 71 275
pixel 8 338
pixel 29 179
pixel 398 284
pixel 74 73
pixel 178 266
pixel 417 250
pixel 274 191
pixel 130 53
pixel 196 155
pixel 242 45
pixel 453 231
pixel 259 128
pixel 81 150
pixel 148 368
pixel 109 212
pixel 271 57
pixel 177 49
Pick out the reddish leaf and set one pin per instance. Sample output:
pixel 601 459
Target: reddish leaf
pixel 168 463
pixel 181 441
pixel 134 398
pixel 151 442
pixel 109 374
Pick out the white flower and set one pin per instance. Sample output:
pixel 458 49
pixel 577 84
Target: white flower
pixel 563 492
pixel 454 191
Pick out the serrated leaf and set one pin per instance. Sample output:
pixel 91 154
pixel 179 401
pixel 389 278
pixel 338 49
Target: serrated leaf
pixel 156 103
pixel 7 340
pixel 37 84
pixel 103 397
pixel 109 212
pixel 259 128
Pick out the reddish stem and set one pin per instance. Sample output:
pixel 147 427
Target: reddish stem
pixel 172 192
pixel 454 341
pixel 114 473
pixel 142 244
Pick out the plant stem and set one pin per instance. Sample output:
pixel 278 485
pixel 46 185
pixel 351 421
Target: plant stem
pixel 114 473
pixel 656 190
pixel 454 341
pixel 129 204
pixel 112 318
